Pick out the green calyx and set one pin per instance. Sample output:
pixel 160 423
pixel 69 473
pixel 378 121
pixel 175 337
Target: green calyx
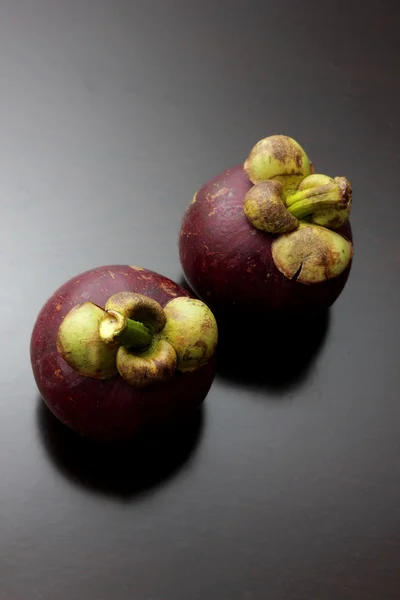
pixel 265 209
pixel 278 156
pixel 286 195
pixel 192 330
pixel 154 364
pixel 135 338
pixel 335 217
pixel 311 254
pixel 80 344
pixel 309 200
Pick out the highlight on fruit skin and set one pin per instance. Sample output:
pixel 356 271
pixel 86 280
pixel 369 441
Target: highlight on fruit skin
pixel 101 359
pixel 245 230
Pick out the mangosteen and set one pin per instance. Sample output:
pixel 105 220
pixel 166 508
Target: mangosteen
pixel 119 350
pixel 269 236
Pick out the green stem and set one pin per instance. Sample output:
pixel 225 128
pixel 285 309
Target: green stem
pixel 136 335
pixel 331 195
pixel 116 328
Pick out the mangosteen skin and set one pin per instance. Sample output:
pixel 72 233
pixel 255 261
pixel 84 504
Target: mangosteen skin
pixel 228 262
pixel 110 409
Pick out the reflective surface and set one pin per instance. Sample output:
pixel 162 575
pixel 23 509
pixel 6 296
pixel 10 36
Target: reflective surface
pixel 287 486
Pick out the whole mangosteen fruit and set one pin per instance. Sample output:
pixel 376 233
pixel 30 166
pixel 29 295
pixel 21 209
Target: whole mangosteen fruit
pixel 269 236
pixel 119 350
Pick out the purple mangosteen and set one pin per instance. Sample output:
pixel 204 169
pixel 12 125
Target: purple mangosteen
pixel 119 350
pixel 269 236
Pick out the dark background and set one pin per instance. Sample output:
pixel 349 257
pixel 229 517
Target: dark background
pixel 113 112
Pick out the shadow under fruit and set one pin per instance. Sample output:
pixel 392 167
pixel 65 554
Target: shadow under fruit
pixel 276 355
pixel 123 469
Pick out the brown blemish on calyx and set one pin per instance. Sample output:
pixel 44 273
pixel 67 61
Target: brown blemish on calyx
pixel 311 254
pixel 345 187
pixel 264 208
pixel 277 156
pixel 283 151
pixel 332 219
pixel 156 364
pixel 206 326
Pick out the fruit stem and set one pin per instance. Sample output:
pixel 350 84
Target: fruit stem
pixel 336 194
pixel 117 328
